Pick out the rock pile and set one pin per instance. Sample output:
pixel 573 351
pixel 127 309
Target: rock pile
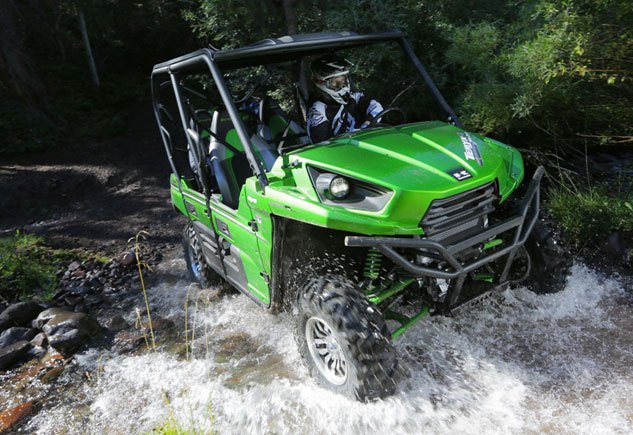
pixel 103 289
pixel 29 329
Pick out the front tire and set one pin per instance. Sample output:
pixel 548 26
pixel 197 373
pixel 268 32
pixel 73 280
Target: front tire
pixel 550 260
pixel 344 340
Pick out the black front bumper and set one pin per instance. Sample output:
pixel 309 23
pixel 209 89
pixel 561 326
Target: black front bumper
pixel 521 224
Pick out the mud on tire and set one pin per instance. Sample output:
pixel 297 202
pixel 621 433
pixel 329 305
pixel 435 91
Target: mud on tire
pixel 344 340
pixel 197 268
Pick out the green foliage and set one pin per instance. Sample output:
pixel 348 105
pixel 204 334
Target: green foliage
pixel 232 23
pixel 588 217
pixel 530 73
pixel 28 267
pixel 22 132
pixel 172 426
pixel 25 268
pixel 556 70
pixel 127 38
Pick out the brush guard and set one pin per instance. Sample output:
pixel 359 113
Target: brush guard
pixel 521 224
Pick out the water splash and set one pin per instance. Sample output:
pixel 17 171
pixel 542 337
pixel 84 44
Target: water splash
pixel 523 363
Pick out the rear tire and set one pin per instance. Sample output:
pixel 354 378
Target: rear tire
pixel 198 269
pixel 344 340
pixel 550 260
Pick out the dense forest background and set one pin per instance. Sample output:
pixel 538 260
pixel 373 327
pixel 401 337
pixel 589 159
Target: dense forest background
pixel 552 77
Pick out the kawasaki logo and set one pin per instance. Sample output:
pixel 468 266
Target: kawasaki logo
pixel 460 174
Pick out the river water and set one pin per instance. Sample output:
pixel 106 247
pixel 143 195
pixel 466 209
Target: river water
pixel 519 363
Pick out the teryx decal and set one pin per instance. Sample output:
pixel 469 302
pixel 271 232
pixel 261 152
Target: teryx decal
pixel 460 174
pixel 471 149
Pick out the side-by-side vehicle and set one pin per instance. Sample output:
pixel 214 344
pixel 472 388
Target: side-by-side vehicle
pixel 359 236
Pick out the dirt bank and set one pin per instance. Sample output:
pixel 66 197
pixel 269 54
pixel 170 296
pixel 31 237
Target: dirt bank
pixel 93 194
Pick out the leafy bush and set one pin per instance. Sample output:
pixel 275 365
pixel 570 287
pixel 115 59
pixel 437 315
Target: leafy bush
pixel 587 217
pixel 28 267
pixel 25 268
pixel 20 131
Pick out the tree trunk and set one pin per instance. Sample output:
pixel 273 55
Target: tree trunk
pixel 91 59
pixel 290 11
pixel 17 64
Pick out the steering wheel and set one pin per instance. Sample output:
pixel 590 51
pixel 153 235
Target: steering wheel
pixel 375 123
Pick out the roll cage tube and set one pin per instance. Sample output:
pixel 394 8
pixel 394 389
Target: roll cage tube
pixel 408 49
pixel 206 56
pixel 237 122
pixel 163 133
pixel 192 145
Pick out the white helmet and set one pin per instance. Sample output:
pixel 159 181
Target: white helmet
pixel 330 74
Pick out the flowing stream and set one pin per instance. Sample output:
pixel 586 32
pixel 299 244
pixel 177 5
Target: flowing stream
pixel 519 363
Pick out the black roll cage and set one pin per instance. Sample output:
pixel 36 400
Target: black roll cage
pixel 268 51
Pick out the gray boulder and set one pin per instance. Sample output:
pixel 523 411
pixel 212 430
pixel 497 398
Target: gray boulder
pixel 67 331
pixel 40 340
pixel 117 323
pixel 13 354
pixel 47 315
pixel 15 334
pixel 19 314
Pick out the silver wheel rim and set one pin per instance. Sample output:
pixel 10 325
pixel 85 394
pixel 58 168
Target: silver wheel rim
pixel 196 267
pixel 326 351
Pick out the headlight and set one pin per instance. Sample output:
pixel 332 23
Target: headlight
pixel 339 187
pixel 332 186
pixel 336 189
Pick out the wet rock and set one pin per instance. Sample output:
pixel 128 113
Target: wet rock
pixel 81 290
pixel 40 340
pixel 15 334
pixel 13 354
pixel 92 300
pixel 60 294
pixel 74 266
pixel 36 352
pixel 94 282
pixel 47 315
pixel 52 374
pixel 117 323
pixel 81 308
pixel 616 247
pixel 160 324
pixel 26 373
pixel 19 314
pixel 127 258
pixel 11 417
pixel 67 331
pixel 73 300
pixel 128 341
pixel 79 274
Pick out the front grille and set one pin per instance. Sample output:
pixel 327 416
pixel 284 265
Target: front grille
pixel 460 216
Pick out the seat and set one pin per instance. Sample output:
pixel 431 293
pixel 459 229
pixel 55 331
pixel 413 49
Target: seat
pixel 229 164
pixel 276 129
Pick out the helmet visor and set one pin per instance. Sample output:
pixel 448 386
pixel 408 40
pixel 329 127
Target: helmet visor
pixel 338 82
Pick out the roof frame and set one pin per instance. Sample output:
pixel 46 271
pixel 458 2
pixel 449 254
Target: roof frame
pixel 283 49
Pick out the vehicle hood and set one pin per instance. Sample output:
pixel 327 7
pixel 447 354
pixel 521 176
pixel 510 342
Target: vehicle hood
pixel 414 157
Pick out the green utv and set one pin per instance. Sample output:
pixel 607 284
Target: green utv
pixel 359 236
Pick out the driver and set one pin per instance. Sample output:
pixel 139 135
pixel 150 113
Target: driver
pixel 334 108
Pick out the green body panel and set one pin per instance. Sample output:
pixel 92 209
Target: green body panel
pixel 414 161
pixel 239 232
